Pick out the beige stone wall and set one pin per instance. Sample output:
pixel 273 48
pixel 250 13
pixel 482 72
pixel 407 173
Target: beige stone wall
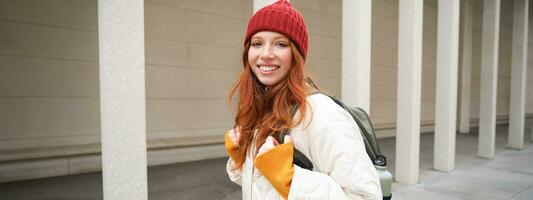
pixel 504 60
pixel 193 55
pixel 49 69
pixel 384 62
pixel 477 22
pixel 505 57
pixel 323 19
pixel 529 87
pixel 48 73
pixel 429 63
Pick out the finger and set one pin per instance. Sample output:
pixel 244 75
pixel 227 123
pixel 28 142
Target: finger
pixel 287 139
pixel 268 142
pixel 266 146
pixel 233 137
pixel 273 140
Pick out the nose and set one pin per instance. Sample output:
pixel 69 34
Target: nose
pixel 267 52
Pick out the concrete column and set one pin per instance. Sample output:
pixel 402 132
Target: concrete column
pixel 518 75
pixel 258 4
pixel 489 78
pixel 446 93
pixel 356 37
pixel 466 78
pixel 409 86
pixel 122 99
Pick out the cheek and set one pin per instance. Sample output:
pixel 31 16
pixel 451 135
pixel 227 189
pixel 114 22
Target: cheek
pixel 252 57
pixel 287 58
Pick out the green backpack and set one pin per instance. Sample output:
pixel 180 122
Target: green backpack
pixel 371 145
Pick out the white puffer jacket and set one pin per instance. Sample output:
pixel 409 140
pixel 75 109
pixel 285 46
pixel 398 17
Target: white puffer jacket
pixel 330 138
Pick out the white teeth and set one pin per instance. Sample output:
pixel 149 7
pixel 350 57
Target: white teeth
pixel 267 68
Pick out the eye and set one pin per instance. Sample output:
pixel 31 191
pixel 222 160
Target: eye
pixel 282 44
pixel 255 44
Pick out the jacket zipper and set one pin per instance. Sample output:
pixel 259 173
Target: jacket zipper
pixel 253 167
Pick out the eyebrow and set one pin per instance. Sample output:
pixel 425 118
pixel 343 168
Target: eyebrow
pixel 275 38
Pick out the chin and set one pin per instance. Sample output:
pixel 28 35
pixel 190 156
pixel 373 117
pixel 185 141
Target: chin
pixel 270 80
pixel 267 83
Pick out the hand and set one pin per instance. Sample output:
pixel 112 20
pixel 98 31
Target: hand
pixel 235 135
pixel 231 143
pixel 275 163
pixel 271 143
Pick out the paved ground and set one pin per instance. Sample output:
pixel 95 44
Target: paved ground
pixel 508 176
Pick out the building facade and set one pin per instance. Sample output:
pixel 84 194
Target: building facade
pixel 51 75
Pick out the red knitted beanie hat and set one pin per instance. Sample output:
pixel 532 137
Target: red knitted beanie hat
pixel 280 17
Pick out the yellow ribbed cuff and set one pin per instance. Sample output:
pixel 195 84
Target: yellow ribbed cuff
pixel 231 148
pixel 276 166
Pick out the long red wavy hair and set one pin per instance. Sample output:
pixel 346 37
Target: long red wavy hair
pixel 268 110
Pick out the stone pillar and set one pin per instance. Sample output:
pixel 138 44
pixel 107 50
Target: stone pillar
pixel 466 69
pixel 489 78
pixel 518 75
pixel 258 4
pixel 409 86
pixel 356 37
pixel 122 99
pixel 446 93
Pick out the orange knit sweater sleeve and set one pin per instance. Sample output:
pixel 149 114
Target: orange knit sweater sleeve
pixel 231 148
pixel 276 166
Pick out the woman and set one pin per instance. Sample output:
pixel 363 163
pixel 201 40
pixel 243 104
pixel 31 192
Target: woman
pixel 272 83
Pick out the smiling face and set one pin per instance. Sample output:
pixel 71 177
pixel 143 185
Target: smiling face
pixel 270 57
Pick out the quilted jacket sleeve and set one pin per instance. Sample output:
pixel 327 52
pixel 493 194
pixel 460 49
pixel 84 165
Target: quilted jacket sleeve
pixel 235 175
pixel 344 169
